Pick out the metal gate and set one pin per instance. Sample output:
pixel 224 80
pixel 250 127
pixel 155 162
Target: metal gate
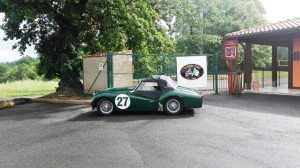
pixel 144 65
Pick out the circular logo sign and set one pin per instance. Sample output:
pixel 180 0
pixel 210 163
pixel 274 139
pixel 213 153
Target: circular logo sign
pixel 122 101
pixel 191 71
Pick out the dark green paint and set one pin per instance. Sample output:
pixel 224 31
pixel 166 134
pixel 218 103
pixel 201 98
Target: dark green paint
pixel 190 98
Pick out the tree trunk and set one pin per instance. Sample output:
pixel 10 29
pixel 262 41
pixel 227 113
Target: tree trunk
pixel 70 80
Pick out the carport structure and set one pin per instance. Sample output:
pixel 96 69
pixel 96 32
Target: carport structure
pixel 281 34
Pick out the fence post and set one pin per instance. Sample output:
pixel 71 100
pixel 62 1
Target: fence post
pixel 216 66
pixel 109 70
pixel 164 64
pixel 263 78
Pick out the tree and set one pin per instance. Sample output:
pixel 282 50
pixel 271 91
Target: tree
pixel 223 16
pixel 61 30
pixel 3 71
pixel 282 53
pixel 195 44
pixel 261 57
pixel 53 26
pixel 193 20
pixel 22 69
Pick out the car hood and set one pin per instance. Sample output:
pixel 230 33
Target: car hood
pixel 115 90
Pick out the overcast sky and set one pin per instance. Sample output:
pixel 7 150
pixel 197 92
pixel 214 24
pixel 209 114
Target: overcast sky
pixel 276 10
pixel 6 52
pixel 279 10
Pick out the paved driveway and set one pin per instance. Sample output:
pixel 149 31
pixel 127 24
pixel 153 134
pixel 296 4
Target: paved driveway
pixel 238 131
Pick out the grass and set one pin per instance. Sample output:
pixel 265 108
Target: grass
pixel 260 75
pixel 27 88
pixel 268 74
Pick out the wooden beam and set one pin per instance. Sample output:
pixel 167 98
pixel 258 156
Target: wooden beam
pixel 274 65
pixel 290 62
pixel 248 66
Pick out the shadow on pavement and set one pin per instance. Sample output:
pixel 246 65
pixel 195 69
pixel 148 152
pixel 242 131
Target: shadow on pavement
pixel 131 116
pixel 71 112
pixel 36 111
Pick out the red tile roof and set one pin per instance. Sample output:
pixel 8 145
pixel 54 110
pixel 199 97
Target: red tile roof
pixel 290 24
pixel 105 54
pixel 96 55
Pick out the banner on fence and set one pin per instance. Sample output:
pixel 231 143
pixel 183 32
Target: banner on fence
pixel 192 71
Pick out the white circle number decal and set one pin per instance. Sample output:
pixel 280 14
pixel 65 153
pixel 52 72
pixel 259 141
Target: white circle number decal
pixel 122 101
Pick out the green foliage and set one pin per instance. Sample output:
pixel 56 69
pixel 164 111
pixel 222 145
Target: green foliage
pixel 223 16
pixel 282 53
pixel 60 30
pixel 129 25
pixel 215 17
pixel 25 68
pixel 261 57
pixel 63 31
pixel 199 25
pixel 3 70
pixel 195 44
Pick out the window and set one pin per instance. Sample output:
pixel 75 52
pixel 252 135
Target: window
pixel 148 86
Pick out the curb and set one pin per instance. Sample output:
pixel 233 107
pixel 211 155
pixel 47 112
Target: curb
pixel 17 101
pixel 269 93
pixel 10 103
pixel 59 101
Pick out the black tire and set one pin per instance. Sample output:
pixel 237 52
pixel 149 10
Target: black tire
pixel 105 107
pixel 173 106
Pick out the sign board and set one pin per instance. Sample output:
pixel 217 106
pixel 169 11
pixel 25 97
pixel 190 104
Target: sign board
pixel 230 49
pixel 192 71
pixel 101 67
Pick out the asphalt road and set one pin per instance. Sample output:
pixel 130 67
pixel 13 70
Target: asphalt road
pixel 229 131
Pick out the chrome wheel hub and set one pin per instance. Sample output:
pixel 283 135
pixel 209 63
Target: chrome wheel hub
pixel 173 105
pixel 106 107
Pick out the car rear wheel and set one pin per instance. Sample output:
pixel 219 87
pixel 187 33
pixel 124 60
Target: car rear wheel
pixel 173 106
pixel 105 107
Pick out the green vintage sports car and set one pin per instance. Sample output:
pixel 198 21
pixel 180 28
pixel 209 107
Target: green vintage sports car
pixel 158 93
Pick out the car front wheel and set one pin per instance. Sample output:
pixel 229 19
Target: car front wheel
pixel 173 106
pixel 105 107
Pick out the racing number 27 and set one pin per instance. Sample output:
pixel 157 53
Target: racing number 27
pixel 122 101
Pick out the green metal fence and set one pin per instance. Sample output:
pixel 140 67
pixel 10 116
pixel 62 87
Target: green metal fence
pixel 144 65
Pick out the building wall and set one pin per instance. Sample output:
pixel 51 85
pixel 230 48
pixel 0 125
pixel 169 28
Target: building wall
pixel 296 64
pixel 90 72
pixel 122 70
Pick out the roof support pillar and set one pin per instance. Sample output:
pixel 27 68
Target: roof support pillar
pixel 274 65
pixel 248 66
pixel 290 62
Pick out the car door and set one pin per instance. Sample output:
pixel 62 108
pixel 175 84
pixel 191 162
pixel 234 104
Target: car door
pixel 145 96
